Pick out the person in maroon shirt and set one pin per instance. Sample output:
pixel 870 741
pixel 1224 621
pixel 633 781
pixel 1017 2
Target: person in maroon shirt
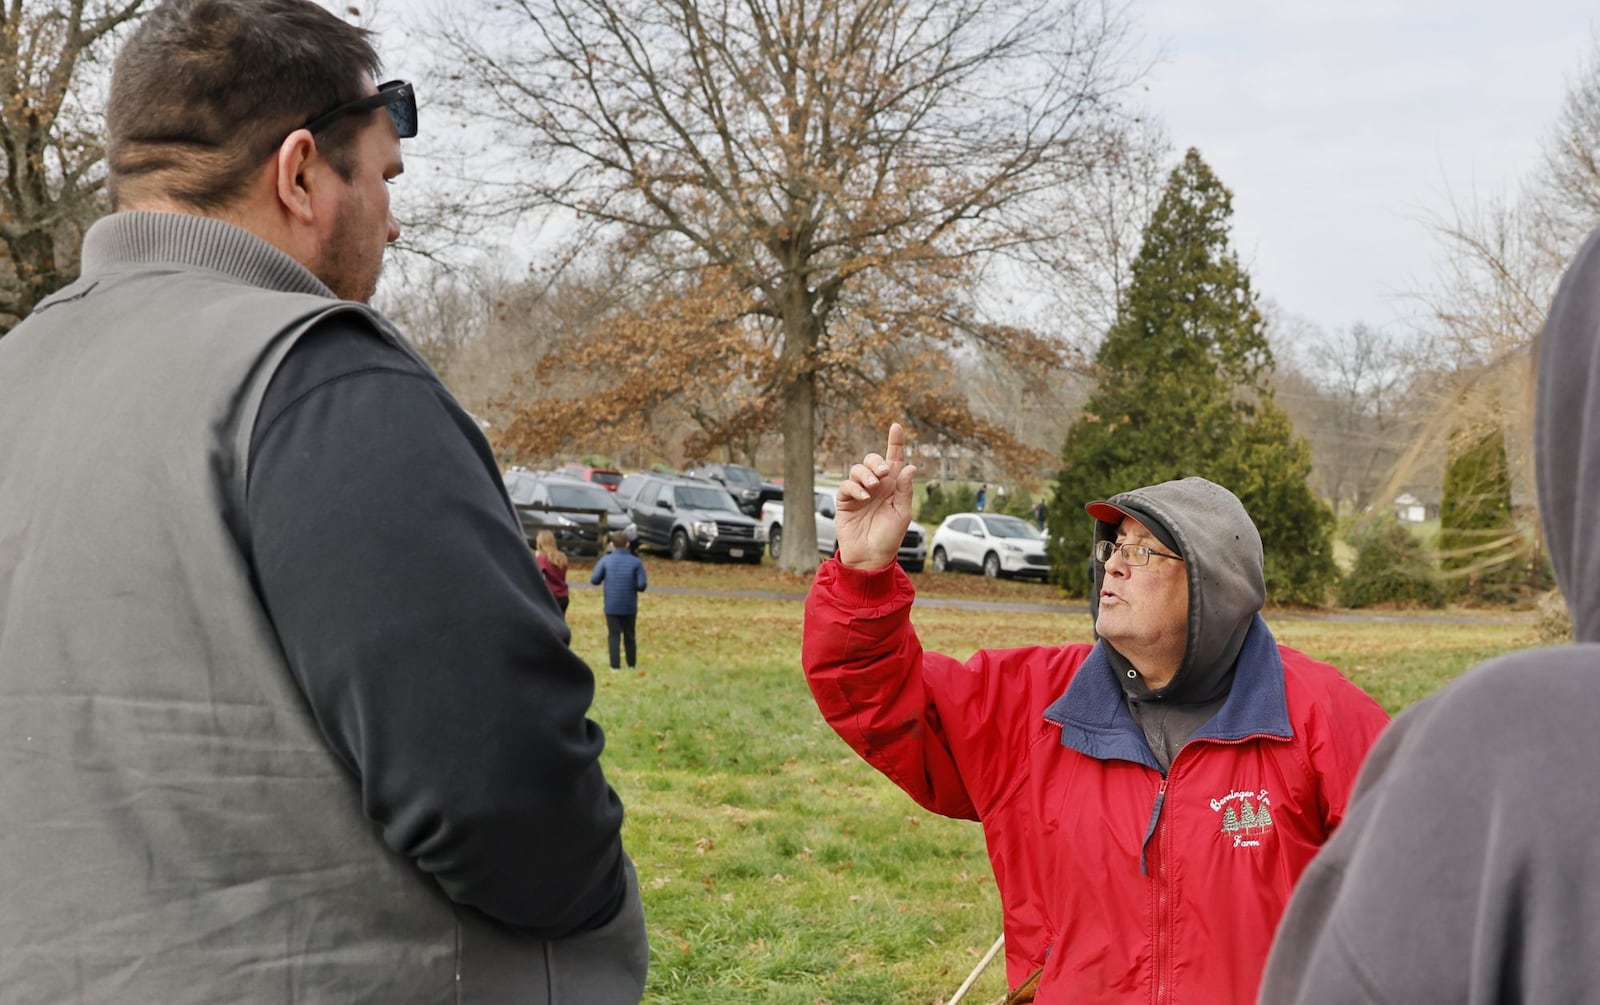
pixel 553 563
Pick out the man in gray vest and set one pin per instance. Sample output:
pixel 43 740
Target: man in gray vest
pixel 287 713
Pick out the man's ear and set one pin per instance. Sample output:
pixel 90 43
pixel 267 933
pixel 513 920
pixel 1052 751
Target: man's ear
pixel 296 161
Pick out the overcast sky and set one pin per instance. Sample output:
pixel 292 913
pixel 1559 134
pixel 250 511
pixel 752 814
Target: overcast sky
pixel 1340 125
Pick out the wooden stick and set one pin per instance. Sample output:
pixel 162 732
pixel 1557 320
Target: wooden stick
pixel 973 977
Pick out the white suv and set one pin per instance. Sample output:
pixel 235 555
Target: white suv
pixel 913 553
pixel 991 543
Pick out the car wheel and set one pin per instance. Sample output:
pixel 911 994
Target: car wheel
pixel 680 546
pixel 754 559
pixel 991 565
pixel 940 562
pixel 775 542
pixel 912 566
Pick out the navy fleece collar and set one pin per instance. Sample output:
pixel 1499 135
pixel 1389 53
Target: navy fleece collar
pixel 1095 721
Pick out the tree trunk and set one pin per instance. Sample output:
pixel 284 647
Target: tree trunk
pixel 799 553
pixel 33 256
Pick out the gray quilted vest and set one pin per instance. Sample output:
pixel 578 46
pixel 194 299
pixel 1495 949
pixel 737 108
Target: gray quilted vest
pixel 173 828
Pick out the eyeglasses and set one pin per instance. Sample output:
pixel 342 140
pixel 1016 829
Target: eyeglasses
pixel 399 97
pixel 1133 554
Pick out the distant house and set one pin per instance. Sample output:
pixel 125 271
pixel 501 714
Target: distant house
pixel 1409 509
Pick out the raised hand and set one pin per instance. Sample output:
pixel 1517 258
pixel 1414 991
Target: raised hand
pixel 874 507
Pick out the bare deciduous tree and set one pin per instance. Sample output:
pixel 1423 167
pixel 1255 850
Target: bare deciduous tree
pixel 835 173
pixel 50 147
pixel 1501 260
pixel 1493 282
pixel 1353 399
pixel 1102 213
pixel 1503 256
pixel 1566 198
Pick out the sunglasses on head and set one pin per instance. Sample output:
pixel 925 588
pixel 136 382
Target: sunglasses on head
pixel 397 96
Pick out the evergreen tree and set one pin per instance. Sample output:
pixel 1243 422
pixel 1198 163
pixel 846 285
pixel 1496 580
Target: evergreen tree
pixel 1478 540
pixel 1391 567
pixel 1182 390
pixel 1230 821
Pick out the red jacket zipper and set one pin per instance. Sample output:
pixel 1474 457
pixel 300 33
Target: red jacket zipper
pixel 1161 951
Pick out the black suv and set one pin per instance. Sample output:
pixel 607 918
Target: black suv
pixel 743 483
pixel 690 518
pixel 566 507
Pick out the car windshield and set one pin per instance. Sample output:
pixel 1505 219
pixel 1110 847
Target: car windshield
pixel 520 487
pixel 690 497
pixel 629 486
pixel 1010 526
pixel 612 478
pixel 583 497
pixel 740 475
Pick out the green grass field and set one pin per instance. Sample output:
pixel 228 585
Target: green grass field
pixel 776 866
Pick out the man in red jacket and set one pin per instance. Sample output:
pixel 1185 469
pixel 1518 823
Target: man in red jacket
pixel 1149 800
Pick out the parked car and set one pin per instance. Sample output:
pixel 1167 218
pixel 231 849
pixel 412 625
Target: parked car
pixel 569 508
pixel 744 483
pixel 913 547
pixel 690 518
pixel 608 477
pixel 991 543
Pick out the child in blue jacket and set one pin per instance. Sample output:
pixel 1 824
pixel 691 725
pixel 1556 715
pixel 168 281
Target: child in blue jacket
pixel 622 575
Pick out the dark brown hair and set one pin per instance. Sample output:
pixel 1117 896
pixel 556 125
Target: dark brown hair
pixel 205 90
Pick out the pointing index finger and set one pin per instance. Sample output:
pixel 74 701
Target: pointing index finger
pixel 895 453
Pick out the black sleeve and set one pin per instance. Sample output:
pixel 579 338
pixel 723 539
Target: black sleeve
pixel 432 654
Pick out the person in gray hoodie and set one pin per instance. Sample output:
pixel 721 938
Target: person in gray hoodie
pixel 287 713
pixel 1468 869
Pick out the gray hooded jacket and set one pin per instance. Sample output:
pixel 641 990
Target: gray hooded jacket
pixel 1468 871
pixel 1222 556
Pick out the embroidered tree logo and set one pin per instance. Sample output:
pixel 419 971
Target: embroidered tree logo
pixel 1246 817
